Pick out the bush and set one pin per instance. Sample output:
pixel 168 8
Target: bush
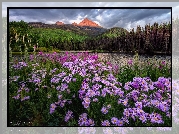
pixel 16 49
pixel 56 50
pixel 41 49
pixel 30 49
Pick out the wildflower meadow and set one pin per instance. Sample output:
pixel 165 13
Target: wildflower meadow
pixel 78 89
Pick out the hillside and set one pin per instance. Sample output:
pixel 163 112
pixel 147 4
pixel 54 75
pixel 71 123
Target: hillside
pixel 85 27
pixel 114 32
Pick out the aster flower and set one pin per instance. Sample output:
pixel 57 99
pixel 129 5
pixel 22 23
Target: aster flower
pixel 138 105
pixel 62 103
pixel 86 100
pixel 126 113
pixel 95 100
pixel 114 120
pixel 97 93
pixel 86 105
pixel 127 87
pixel 121 93
pixel 58 88
pixel 83 121
pixel 68 115
pixel 17 97
pixel 130 62
pixel 90 93
pixel 163 107
pixel 52 108
pixel 104 110
pixel 85 85
pixel 143 118
pixel 156 118
pixel 64 86
pixel 105 123
pixel 25 98
pixel 145 88
pixel 91 122
pixel 96 87
pixel 135 84
pixel 66 79
pixel 125 102
pixel 120 123
pixel 96 79
pixel 74 79
pixel 60 97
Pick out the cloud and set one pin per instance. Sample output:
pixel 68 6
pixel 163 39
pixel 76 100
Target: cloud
pixel 126 18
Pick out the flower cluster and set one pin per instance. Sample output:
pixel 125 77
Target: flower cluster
pixel 84 121
pixel 68 116
pixel 94 94
pixel 19 65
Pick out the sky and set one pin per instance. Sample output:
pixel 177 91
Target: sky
pixel 107 18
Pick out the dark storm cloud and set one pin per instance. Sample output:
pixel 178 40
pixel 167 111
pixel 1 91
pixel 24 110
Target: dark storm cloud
pixel 134 15
pixel 107 18
pixel 50 14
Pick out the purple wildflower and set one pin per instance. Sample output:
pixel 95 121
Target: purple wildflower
pixel 138 105
pixel 68 116
pixel 86 105
pixel 52 108
pixel 66 79
pixel 17 97
pixel 104 110
pixel 96 87
pixel 97 93
pixel 64 86
pixel 126 113
pixel 163 106
pixel 114 120
pixel 120 123
pixel 96 79
pixel 130 62
pixel 62 104
pixel 126 86
pixel 95 100
pixel 156 118
pixel 86 100
pixel 74 79
pixel 125 102
pixel 91 122
pixel 91 93
pixel 25 98
pixel 60 97
pixel 58 88
pixel 143 118
pixel 83 120
pixel 105 123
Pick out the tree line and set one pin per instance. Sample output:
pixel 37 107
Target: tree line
pixel 150 39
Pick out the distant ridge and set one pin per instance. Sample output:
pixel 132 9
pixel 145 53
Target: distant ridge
pixel 84 22
pixel 85 27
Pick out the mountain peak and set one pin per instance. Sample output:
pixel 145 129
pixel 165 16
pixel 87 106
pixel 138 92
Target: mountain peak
pixel 87 22
pixel 86 19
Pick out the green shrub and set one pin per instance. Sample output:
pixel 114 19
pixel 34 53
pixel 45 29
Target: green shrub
pixel 41 49
pixel 56 50
pixel 16 49
pixel 30 49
